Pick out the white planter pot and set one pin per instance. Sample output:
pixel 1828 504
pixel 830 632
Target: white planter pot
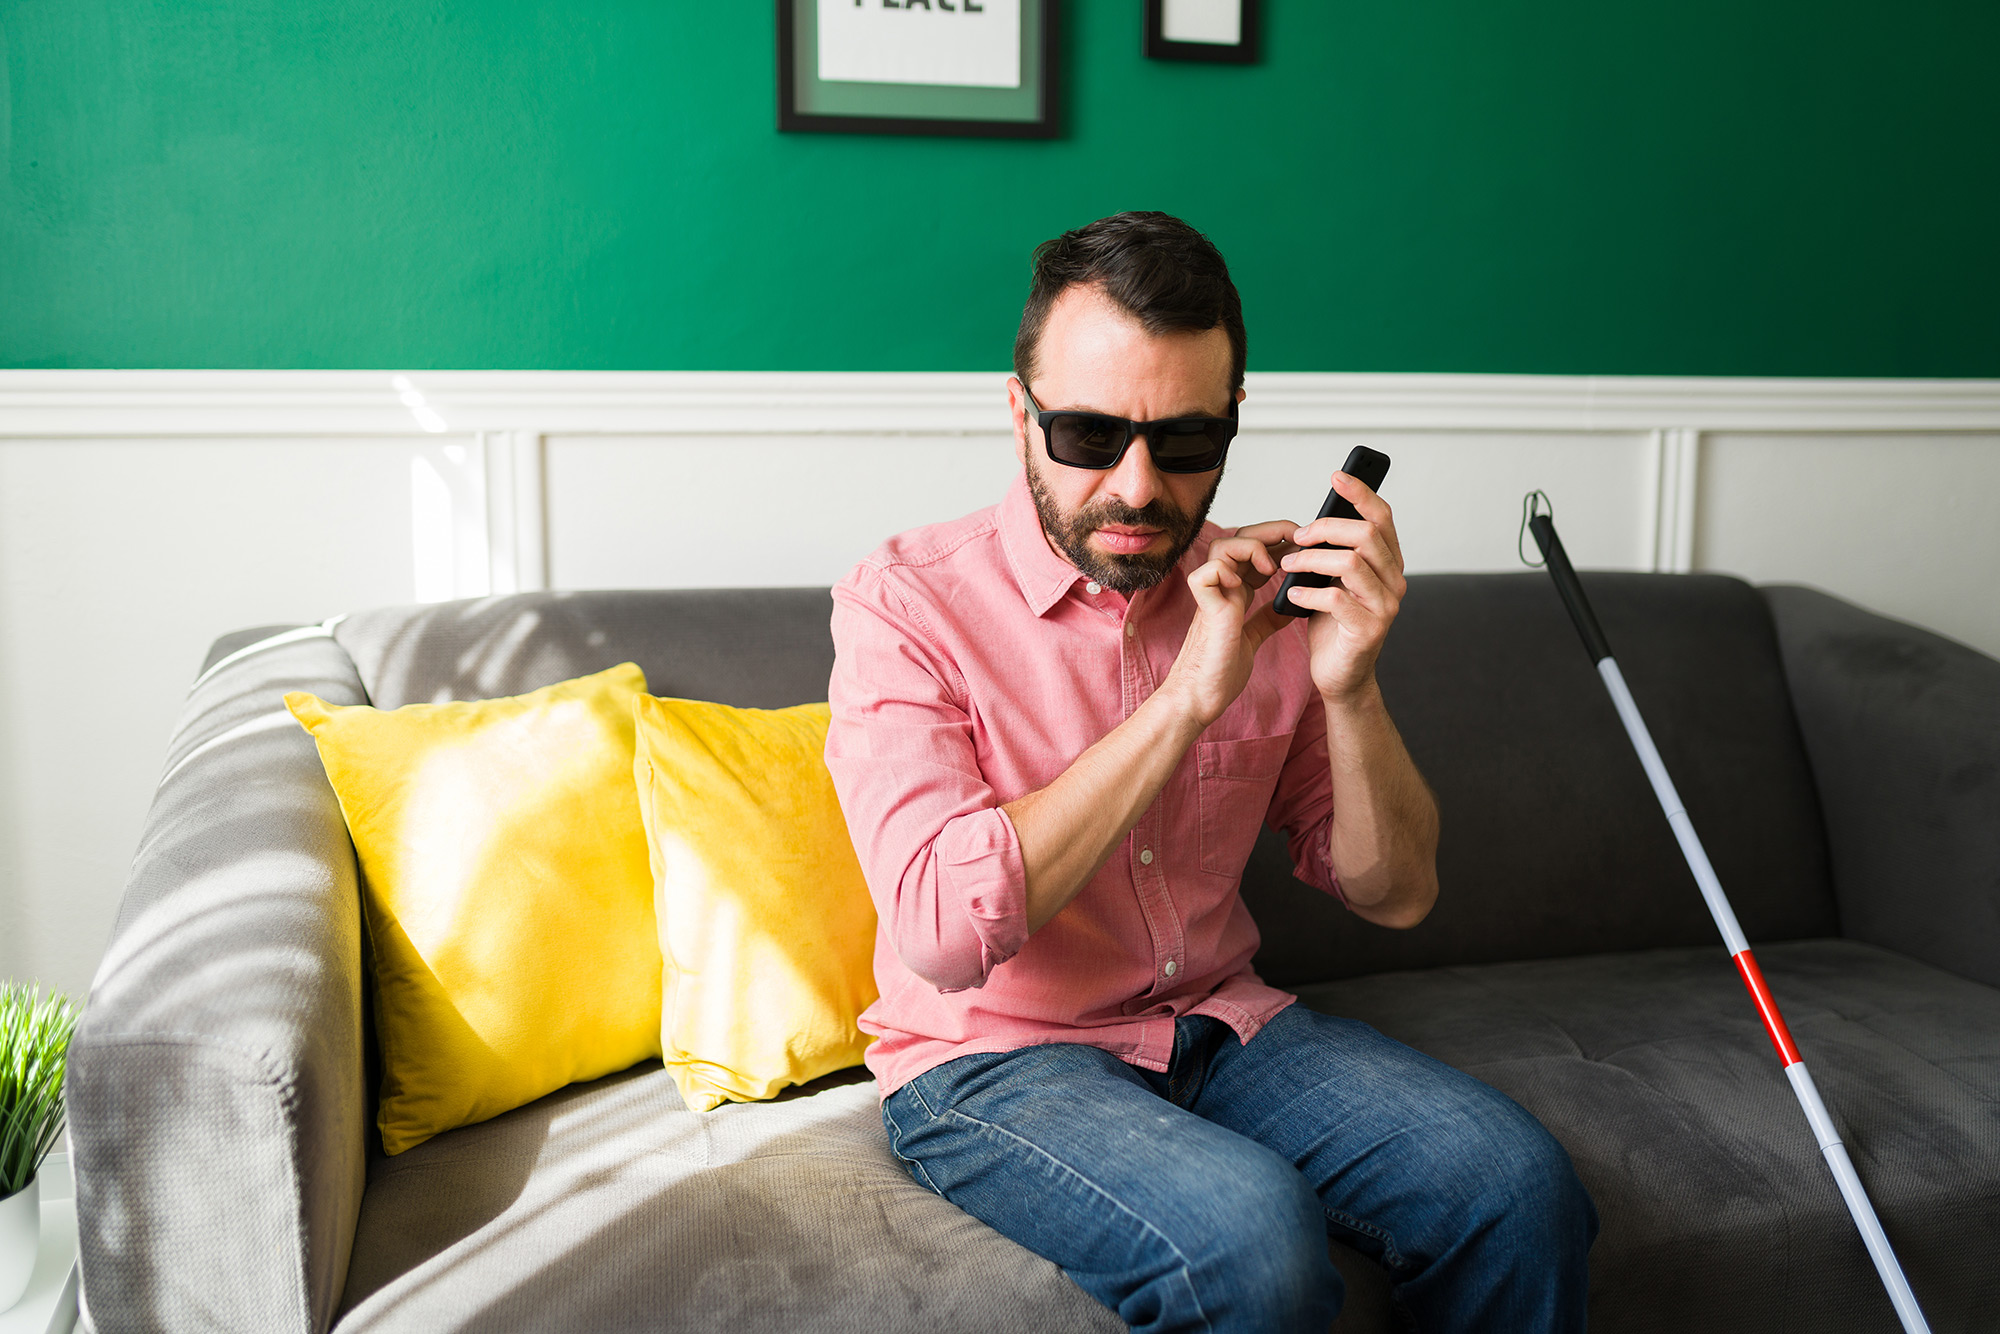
pixel 20 1239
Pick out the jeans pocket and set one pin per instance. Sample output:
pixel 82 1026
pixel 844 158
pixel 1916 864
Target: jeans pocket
pixel 1234 783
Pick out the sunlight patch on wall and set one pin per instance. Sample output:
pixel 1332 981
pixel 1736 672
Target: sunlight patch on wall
pixel 448 538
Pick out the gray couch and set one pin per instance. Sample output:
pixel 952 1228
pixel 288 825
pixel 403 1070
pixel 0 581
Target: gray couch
pixel 1843 769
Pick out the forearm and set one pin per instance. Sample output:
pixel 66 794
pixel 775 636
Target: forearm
pixel 1383 843
pixel 1068 829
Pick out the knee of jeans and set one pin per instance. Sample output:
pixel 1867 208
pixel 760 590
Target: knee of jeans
pixel 1529 1184
pixel 1265 1260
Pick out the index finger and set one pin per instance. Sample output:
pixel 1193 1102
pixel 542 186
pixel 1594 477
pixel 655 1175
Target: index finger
pixel 1271 532
pixel 1361 496
pixel 1243 551
pixel 1370 506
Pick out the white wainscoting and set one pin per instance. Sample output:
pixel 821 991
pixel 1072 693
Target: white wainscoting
pixel 144 513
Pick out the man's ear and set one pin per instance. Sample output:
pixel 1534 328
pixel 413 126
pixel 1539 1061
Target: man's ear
pixel 1239 394
pixel 1017 407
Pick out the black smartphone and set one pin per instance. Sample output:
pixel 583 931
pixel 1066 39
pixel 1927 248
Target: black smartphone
pixel 1370 466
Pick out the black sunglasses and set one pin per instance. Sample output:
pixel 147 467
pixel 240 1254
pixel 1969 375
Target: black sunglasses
pixel 1094 440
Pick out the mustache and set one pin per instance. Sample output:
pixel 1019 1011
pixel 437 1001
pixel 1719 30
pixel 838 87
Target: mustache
pixel 1152 515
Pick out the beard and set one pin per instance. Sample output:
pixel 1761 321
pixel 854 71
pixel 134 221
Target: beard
pixel 1070 533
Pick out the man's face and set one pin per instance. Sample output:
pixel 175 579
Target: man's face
pixel 1127 526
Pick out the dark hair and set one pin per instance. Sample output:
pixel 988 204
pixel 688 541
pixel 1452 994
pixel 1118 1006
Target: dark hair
pixel 1169 276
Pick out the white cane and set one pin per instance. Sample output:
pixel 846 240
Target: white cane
pixel 1851 1190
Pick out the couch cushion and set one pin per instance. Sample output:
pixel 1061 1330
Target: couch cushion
pixel 1544 804
pixel 1718 1211
pixel 1553 844
pixel 761 648
pixel 610 1206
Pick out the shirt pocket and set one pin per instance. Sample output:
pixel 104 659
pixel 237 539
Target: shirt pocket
pixel 1234 782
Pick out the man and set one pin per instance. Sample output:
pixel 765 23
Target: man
pixel 1057 725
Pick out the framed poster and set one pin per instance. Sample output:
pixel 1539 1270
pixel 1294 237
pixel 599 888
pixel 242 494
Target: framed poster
pixel 1222 31
pixel 975 67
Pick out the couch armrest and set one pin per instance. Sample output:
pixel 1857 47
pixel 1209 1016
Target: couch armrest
pixel 1903 730
pixel 217 1105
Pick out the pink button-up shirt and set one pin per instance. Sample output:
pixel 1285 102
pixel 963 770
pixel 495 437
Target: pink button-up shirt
pixel 972 666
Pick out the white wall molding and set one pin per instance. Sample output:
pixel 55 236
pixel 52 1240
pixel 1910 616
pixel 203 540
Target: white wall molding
pixel 1676 482
pixel 1567 403
pixel 479 512
pixel 348 403
pixel 516 512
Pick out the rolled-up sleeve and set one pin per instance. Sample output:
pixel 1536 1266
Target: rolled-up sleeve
pixel 1302 805
pixel 942 860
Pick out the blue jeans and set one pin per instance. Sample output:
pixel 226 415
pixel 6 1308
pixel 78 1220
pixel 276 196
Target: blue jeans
pixel 1201 1199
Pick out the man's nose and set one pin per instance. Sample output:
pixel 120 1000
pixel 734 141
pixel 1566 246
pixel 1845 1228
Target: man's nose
pixel 1135 480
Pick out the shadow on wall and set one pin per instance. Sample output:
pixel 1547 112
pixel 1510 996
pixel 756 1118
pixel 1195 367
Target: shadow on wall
pixel 17 933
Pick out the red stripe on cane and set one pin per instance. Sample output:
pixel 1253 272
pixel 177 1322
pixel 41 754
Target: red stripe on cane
pixel 1767 1009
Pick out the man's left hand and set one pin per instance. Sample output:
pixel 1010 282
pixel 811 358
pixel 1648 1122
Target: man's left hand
pixel 1363 601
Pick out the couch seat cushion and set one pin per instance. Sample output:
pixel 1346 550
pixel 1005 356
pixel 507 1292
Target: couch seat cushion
pixel 609 1206
pixel 1718 1212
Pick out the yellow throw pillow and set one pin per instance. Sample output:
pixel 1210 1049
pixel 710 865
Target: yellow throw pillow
pixel 766 928
pixel 506 892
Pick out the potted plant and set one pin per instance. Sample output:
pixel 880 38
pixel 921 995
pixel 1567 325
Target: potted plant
pixel 34 1049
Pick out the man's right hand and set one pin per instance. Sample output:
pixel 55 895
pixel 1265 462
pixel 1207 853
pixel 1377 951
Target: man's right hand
pixel 1222 641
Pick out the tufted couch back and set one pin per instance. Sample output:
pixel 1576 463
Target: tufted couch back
pixel 1553 844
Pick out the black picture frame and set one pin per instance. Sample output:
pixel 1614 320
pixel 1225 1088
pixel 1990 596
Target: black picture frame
pixel 1246 52
pixel 1038 52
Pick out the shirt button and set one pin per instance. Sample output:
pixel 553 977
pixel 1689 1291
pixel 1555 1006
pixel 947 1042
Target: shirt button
pixel 1145 856
pixel 1093 587
pixel 1171 968
pixel 1130 629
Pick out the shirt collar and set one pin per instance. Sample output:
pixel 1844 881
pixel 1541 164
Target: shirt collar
pixel 1044 576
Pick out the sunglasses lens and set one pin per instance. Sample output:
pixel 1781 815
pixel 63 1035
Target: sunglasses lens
pixel 1191 444
pixel 1085 441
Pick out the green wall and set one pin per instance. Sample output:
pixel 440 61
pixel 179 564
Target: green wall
pixel 1784 187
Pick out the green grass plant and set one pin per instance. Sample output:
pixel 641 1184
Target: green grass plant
pixel 34 1050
